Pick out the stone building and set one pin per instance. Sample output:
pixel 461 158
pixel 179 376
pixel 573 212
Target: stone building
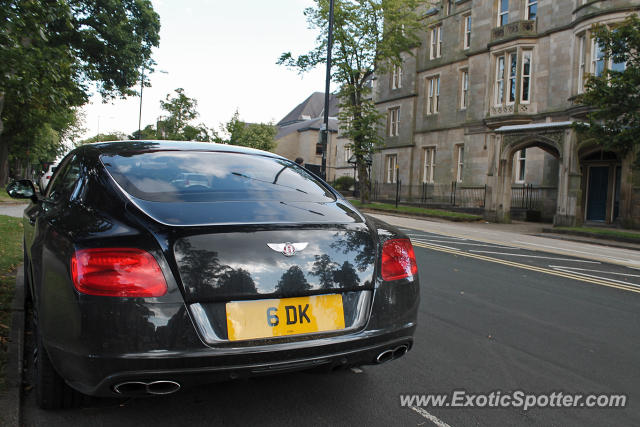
pixel 299 136
pixel 484 105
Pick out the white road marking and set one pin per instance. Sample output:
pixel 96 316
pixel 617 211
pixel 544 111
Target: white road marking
pixel 596 277
pixel 594 271
pixel 439 236
pixel 437 421
pixel 356 370
pixel 435 244
pixel 574 250
pixel 537 256
pixel 472 244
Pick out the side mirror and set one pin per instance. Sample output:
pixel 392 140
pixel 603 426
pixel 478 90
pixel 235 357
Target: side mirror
pixel 22 189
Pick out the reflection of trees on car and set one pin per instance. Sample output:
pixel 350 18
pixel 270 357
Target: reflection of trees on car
pixel 324 268
pixel 293 282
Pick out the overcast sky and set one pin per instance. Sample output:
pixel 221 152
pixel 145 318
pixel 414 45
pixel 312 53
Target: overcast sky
pixel 223 53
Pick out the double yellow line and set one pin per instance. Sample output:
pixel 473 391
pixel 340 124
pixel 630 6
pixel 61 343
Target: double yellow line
pixel 601 282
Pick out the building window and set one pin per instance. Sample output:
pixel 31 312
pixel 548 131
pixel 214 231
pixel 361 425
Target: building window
pixel 436 42
pixel 396 77
pixel 513 69
pixel 429 164
pixel 460 162
pixel 521 163
pixel 394 121
pixel 499 92
pixel 532 9
pixel 597 58
pixel 464 89
pixel 503 13
pixel 525 94
pixel 318 149
pixel 582 53
pixel 433 95
pixel 448 7
pixel 392 169
pixel 467 32
pixel 347 153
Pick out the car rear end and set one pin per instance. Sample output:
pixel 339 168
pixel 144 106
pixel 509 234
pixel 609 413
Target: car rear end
pixel 260 269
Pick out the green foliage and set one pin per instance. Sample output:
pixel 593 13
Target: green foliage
pixel 343 183
pixel 181 110
pixel 52 50
pixel 11 230
pixel 370 36
pixel 115 136
pixel 614 97
pixel 414 210
pixel 255 135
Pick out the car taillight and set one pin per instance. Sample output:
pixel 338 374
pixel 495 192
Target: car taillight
pixel 48 176
pixel 117 272
pixel 398 260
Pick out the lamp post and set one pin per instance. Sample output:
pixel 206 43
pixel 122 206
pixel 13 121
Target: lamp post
pixel 325 133
pixel 140 112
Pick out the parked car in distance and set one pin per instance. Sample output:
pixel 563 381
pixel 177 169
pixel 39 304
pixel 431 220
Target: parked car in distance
pixel 46 177
pixel 141 287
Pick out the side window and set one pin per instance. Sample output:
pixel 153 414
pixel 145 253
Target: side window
pixel 65 180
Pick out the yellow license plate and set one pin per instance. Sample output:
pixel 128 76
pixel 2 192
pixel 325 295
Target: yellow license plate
pixel 288 316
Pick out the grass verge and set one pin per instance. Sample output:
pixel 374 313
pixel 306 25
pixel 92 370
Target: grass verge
pixel 10 258
pixel 603 232
pixel 414 210
pixel 4 197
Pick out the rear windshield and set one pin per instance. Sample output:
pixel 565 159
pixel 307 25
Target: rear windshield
pixel 183 176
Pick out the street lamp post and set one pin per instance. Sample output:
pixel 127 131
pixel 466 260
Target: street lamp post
pixel 140 113
pixel 325 133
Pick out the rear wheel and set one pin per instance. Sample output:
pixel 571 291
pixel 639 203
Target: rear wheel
pixel 51 390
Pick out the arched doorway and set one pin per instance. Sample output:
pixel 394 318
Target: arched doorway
pixel 559 141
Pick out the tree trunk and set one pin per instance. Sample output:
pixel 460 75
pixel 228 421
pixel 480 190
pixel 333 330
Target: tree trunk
pixel 363 178
pixel 4 150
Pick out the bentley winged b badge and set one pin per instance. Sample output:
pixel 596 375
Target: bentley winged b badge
pixel 288 249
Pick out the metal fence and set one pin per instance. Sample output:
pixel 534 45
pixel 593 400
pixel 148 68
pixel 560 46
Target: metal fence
pixel 427 194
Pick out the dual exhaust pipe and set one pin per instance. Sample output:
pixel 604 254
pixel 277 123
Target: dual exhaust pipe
pixel 140 388
pixel 393 353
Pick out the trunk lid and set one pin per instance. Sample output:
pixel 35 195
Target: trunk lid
pixel 248 263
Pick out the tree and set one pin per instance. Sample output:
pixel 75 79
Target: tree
pixel 181 110
pixel 113 136
pixel 614 97
pixel 255 135
pixel 53 50
pixel 369 37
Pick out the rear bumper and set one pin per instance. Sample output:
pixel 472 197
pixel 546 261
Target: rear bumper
pixel 96 359
pixel 209 367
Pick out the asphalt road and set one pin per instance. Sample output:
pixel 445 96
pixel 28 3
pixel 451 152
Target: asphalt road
pixel 493 318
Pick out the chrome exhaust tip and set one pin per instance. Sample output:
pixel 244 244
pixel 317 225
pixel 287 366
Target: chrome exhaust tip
pixel 140 388
pixel 163 387
pixel 385 356
pixel 400 351
pixel 131 388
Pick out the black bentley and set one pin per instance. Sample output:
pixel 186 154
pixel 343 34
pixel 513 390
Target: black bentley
pixel 154 265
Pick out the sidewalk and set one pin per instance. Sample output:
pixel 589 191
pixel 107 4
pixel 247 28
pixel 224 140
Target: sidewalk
pixel 526 235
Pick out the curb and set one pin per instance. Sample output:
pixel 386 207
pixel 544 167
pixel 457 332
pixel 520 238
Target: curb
pixel 595 236
pixel 416 216
pixel 10 403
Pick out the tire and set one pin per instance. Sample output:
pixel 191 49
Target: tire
pixel 52 392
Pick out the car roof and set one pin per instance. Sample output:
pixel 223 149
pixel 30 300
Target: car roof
pixel 141 146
